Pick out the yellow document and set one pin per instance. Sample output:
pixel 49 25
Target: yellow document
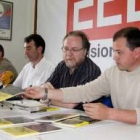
pixel 32 129
pixel 56 117
pixel 52 108
pixel 20 131
pixel 78 121
pixel 4 122
pixel 4 96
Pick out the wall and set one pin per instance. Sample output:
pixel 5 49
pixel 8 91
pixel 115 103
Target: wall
pixel 99 19
pixel 52 18
pixel 52 25
pixel 23 21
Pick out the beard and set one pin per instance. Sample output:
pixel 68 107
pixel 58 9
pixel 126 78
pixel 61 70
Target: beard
pixel 71 65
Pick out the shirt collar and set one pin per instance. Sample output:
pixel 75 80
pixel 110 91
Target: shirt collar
pixel 39 63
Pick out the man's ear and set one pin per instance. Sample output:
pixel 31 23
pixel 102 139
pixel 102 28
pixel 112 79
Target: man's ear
pixel 85 52
pixel 40 49
pixel 0 54
pixel 137 52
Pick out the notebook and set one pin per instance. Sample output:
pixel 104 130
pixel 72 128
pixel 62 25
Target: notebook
pixel 56 117
pixel 32 129
pixel 10 92
pixel 77 121
pixel 10 121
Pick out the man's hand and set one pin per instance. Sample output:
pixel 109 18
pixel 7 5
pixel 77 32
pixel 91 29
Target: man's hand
pixel 97 111
pixel 35 92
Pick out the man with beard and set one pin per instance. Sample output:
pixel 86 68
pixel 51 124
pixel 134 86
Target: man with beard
pixel 75 68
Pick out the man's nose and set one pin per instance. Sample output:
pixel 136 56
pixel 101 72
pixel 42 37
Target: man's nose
pixel 115 56
pixel 25 51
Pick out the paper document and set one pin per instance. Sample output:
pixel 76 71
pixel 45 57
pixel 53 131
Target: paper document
pixel 32 129
pixel 5 122
pixel 78 121
pixel 56 117
pixel 10 92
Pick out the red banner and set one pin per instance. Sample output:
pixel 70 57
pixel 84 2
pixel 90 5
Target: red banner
pixel 99 19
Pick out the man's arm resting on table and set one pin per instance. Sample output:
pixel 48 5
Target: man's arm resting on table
pixel 126 116
pixel 102 112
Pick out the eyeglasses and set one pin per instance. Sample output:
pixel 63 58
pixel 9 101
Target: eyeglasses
pixel 74 50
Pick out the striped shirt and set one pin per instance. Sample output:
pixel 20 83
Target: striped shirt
pixel 86 72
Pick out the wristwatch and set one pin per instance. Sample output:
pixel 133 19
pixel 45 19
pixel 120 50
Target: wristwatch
pixel 46 94
pixel 45 99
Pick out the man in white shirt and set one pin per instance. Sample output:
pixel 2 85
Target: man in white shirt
pixel 38 70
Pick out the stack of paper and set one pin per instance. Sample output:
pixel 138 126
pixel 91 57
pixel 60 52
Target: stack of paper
pixel 5 122
pixel 10 92
pixel 31 106
pixel 70 120
pixel 75 122
pixel 32 129
pixel 56 117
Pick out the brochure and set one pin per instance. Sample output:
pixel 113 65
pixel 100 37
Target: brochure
pixel 6 122
pixel 31 106
pixel 32 129
pixel 10 92
pixel 56 117
pixel 78 121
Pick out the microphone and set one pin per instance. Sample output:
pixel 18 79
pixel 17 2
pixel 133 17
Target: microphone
pixel 6 78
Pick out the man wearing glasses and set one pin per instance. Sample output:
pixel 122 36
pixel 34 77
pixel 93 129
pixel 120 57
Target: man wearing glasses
pixel 75 68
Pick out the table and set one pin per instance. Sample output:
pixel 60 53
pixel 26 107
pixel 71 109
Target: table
pixel 103 130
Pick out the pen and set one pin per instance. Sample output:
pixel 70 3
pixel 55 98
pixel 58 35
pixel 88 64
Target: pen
pixel 38 111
